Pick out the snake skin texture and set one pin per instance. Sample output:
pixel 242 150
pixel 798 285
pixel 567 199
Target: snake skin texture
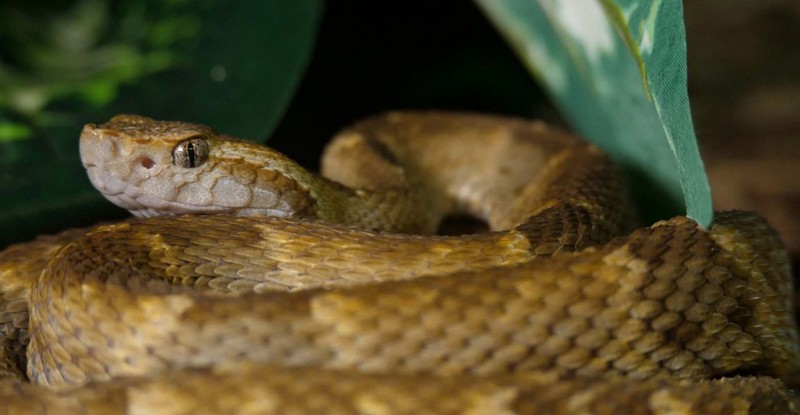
pixel 201 306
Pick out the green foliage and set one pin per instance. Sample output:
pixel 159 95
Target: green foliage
pixel 617 71
pixel 231 65
pixel 84 52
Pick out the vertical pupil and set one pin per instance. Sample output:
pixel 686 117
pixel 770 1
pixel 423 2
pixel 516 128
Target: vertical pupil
pixel 190 150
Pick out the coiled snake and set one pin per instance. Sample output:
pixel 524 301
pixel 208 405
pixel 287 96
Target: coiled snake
pixel 550 312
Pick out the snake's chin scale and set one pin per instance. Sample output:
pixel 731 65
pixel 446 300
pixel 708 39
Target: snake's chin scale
pixel 148 207
pixel 106 184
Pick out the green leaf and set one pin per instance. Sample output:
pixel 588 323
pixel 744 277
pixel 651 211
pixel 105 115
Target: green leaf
pixel 617 71
pixel 10 131
pixel 232 65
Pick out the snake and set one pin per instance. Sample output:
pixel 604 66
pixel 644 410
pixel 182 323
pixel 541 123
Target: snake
pixel 247 284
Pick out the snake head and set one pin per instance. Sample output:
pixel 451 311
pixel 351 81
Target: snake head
pixel 154 168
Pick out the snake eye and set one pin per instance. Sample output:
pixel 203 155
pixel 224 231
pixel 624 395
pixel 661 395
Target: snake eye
pixel 191 152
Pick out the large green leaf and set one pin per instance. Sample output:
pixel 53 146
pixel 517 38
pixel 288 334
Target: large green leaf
pixel 233 65
pixel 617 71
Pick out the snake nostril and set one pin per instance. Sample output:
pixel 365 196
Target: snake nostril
pixel 147 162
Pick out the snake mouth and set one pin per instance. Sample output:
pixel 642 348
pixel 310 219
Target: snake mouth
pixel 145 205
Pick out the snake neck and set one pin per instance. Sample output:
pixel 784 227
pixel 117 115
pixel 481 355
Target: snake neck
pixel 291 190
pixel 393 209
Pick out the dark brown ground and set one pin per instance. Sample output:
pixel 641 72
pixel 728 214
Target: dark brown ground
pixel 744 83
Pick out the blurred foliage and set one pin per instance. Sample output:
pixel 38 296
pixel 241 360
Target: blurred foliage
pixel 63 64
pixel 84 51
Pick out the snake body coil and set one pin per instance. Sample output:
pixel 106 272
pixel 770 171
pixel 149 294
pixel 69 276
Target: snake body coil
pixel 548 312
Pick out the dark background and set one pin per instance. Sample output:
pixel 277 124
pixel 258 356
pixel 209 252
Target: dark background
pixel 376 56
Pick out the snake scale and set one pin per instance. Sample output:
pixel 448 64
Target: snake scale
pixel 248 285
